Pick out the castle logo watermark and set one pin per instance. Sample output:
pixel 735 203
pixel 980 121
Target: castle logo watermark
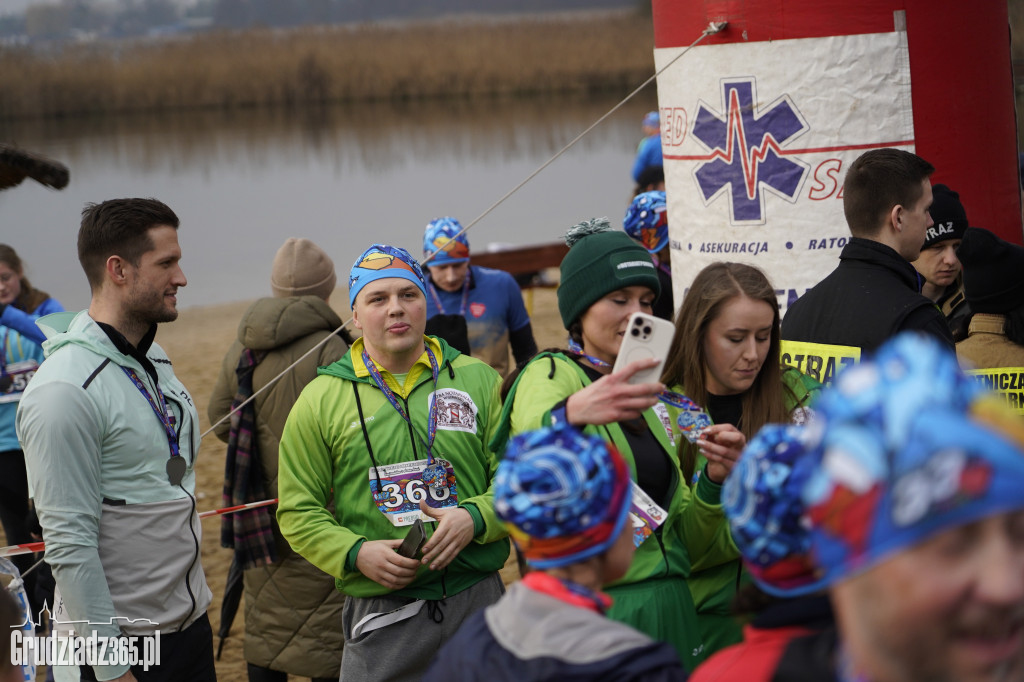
pixel 64 646
pixel 93 650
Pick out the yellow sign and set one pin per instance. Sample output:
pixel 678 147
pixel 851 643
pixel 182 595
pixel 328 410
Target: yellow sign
pixel 819 360
pixel 1006 381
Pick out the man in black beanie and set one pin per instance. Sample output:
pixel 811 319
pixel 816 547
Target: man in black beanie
pixel 994 286
pixel 938 264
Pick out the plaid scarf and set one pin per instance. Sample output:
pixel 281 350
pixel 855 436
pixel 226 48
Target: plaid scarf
pixel 249 532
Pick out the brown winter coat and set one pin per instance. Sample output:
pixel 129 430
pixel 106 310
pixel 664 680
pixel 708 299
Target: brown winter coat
pixel 292 609
pixel 986 346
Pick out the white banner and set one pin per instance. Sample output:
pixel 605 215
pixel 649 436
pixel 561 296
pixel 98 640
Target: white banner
pixel 757 138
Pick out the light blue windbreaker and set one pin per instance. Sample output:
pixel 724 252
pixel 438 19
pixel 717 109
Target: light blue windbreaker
pixel 120 539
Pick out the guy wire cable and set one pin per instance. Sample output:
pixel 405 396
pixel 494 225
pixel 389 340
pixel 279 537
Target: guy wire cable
pixel 712 28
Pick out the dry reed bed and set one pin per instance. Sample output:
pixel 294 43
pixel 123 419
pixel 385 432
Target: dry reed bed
pixel 589 53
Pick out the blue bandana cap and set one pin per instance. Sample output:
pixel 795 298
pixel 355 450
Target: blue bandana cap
pixel 564 495
pixel 651 119
pixel 761 500
pixel 909 447
pixel 646 220
pixel 440 239
pixel 380 262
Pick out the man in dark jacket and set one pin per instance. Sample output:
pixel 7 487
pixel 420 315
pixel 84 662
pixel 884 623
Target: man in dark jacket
pixel 874 293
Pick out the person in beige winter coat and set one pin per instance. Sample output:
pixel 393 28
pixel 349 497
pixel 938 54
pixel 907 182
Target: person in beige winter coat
pixel 993 351
pixel 292 609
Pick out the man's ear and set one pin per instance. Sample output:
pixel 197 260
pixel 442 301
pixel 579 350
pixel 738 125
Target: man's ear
pixel 896 218
pixel 355 318
pixel 116 269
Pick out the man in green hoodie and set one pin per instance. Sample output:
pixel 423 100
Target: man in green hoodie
pixel 394 433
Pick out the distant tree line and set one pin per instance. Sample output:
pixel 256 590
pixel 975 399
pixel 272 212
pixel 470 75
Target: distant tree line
pixel 82 19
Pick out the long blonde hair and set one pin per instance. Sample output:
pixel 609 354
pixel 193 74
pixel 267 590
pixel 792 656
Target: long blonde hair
pixel 717 284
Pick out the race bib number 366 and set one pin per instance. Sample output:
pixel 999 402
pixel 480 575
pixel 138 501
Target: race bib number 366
pixel 400 490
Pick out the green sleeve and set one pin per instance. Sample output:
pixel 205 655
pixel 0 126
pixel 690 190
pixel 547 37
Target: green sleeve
pixel 305 480
pixel 546 381
pixel 704 528
pixel 483 504
pixel 539 392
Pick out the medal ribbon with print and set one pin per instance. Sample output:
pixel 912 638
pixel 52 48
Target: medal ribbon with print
pixel 5 379
pixel 176 465
pixel 435 474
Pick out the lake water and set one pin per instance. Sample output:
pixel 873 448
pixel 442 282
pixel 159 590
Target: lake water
pixel 345 177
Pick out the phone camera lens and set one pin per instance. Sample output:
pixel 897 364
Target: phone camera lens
pixel 647 330
pixel 635 332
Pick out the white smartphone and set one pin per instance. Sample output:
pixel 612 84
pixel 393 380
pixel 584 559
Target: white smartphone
pixel 646 337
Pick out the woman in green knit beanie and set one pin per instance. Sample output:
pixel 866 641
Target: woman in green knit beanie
pixel 606 276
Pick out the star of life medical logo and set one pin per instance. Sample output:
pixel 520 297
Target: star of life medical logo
pixel 65 646
pixel 747 157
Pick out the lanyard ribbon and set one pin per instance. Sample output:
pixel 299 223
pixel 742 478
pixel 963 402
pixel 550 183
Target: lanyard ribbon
pixel 3 362
pixel 437 299
pixel 670 397
pixel 159 408
pixel 378 380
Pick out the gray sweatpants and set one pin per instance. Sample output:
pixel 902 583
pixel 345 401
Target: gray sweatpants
pixel 402 651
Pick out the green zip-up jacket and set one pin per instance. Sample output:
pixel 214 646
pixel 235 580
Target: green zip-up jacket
pixel 694 517
pixel 713 587
pixel 324 452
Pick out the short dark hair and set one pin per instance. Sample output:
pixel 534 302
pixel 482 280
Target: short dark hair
pixel 118 227
pixel 877 181
pixel 649 177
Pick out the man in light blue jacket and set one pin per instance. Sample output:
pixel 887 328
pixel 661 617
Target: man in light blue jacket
pixel 110 438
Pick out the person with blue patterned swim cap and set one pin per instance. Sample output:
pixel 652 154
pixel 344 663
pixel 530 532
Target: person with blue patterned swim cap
pixel 646 221
pixel 393 433
pixel 565 497
pixel 478 310
pixel 915 520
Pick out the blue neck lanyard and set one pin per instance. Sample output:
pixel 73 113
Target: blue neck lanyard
pixel 379 381
pixel 176 465
pixel 5 381
pixel 844 668
pixel 578 350
pixel 586 593
pixel 465 295
pixel 3 354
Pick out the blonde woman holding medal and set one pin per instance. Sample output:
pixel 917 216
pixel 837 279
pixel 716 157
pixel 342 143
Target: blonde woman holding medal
pixel 605 277
pixel 394 432
pixel 726 359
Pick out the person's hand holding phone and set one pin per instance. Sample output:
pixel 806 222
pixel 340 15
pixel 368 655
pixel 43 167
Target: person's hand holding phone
pixel 378 561
pixel 613 398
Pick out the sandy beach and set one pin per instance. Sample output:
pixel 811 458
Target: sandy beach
pixel 196 344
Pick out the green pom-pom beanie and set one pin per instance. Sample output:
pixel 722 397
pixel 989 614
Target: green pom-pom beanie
pixel 600 261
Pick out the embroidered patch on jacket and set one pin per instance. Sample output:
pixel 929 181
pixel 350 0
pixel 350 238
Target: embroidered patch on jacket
pixel 456 411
